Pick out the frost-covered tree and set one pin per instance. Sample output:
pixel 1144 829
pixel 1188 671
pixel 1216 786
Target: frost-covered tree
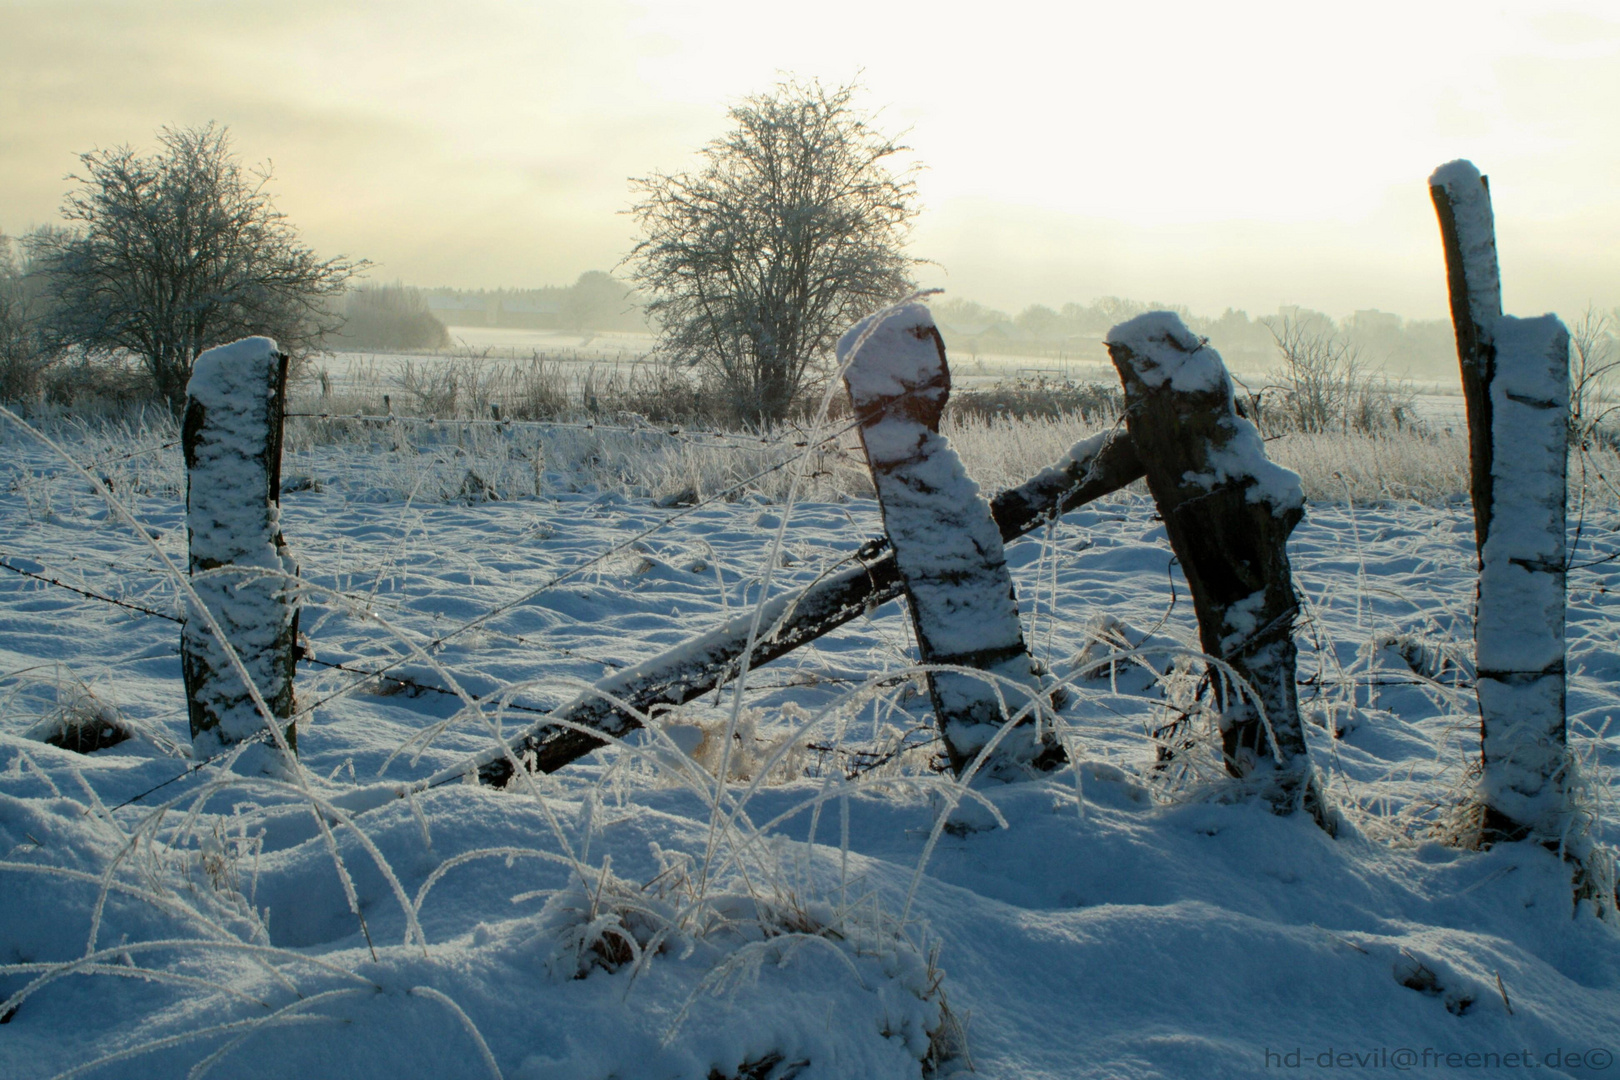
pixel 25 354
pixel 794 227
pixel 174 253
pixel 1594 357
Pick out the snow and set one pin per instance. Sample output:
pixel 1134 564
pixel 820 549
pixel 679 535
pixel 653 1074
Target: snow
pixel 1142 928
pixel 1476 237
pixel 1520 640
pixel 233 523
pixel 946 544
pixel 896 354
pixel 1170 353
pixel 1164 352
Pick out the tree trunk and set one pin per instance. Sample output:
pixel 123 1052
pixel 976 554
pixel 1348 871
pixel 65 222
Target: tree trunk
pixel 1228 511
pixel 231 439
pixel 1515 375
pixel 1093 468
pixel 946 545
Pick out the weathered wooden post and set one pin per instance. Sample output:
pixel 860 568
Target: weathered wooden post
pixel 1228 511
pixel 231 438
pixel 1515 376
pixel 946 544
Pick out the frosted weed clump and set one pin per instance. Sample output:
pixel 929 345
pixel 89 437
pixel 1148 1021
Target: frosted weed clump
pixel 755 751
pixel 70 714
pixel 556 879
pixel 741 901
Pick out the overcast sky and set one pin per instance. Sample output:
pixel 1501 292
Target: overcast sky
pixel 1212 154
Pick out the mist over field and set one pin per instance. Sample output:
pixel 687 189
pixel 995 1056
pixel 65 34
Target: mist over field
pixel 1248 156
pixel 1034 337
pixel 700 540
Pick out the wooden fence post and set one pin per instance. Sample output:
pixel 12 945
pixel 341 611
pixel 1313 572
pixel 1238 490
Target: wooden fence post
pixel 1228 511
pixel 946 544
pixel 231 438
pixel 1515 376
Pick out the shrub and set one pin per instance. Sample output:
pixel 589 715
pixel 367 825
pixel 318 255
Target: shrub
pixel 1037 399
pixel 25 354
pixel 1323 386
pixel 388 317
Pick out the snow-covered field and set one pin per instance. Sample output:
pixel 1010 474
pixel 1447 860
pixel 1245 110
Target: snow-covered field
pixel 632 917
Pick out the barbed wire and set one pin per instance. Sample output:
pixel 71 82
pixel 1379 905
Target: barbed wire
pixel 727 440
pixel 519 639
pixel 5 564
pixel 602 557
pixel 805 448
pixel 499 609
pixel 304 657
pixel 114 460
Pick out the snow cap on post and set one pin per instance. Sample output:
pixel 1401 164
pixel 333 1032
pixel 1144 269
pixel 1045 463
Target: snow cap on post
pixel 892 353
pixel 231 438
pixel 1162 353
pixel 1468 197
pixel 1166 351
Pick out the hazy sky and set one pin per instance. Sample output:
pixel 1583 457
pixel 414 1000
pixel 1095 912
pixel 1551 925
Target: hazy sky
pixel 1238 153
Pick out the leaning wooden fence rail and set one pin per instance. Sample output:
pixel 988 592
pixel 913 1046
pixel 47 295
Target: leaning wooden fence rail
pixel 231 439
pixel 1097 466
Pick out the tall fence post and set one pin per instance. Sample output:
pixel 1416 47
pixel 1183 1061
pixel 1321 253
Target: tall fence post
pixel 1228 511
pixel 946 544
pixel 1515 376
pixel 231 437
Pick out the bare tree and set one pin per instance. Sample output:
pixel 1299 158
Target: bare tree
pixel 24 353
pixel 180 251
pixel 1319 373
pixel 1594 355
pixel 1324 385
pixel 794 227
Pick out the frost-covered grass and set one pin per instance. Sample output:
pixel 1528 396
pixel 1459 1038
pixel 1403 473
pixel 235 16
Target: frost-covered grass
pixel 633 916
pixel 619 451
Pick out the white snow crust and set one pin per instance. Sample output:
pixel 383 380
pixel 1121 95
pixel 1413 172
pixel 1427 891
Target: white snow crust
pixel 1169 352
pixel 895 352
pixel 232 523
pixel 1118 927
pixel 1522 581
pixel 1164 352
pixel 1476 237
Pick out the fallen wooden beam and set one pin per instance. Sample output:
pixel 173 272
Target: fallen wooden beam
pixel 1095 467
